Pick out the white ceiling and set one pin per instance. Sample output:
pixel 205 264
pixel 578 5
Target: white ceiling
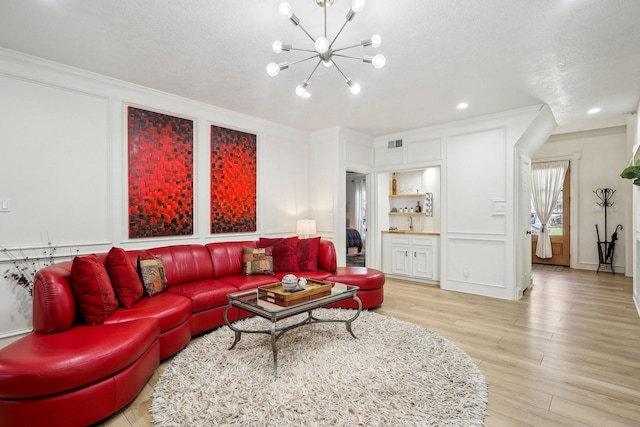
pixel 496 55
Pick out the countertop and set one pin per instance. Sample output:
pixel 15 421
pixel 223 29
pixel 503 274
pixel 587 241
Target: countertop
pixel 419 233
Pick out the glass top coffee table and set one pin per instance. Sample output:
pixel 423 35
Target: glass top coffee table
pixel 274 310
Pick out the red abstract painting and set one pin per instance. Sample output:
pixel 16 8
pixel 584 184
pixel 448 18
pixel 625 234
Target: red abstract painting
pixel 233 181
pixel 160 174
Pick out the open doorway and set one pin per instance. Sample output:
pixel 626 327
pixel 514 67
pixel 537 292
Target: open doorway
pixel 559 229
pixel 356 215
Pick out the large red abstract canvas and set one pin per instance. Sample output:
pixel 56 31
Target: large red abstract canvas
pixel 233 181
pixel 160 174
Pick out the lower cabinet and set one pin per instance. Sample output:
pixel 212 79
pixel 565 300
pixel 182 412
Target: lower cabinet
pixel 411 256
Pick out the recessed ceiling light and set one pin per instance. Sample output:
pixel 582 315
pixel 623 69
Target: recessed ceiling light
pixel 462 106
pixel 593 111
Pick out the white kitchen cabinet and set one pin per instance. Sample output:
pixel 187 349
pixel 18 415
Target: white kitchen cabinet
pixel 400 259
pixel 411 255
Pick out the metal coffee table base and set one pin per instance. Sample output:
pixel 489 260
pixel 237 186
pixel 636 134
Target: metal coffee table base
pixel 276 332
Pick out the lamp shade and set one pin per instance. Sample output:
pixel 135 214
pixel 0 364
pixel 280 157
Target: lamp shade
pixel 306 226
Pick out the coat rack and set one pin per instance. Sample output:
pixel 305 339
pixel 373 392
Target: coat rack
pixel 606 247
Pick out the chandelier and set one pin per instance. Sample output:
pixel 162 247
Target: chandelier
pixel 323 49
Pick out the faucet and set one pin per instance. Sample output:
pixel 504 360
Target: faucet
pixel 411 223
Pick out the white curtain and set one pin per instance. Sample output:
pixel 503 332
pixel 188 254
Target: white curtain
pixel 546 182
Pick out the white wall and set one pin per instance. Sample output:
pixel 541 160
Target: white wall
pixel 597 157
pixel 64 167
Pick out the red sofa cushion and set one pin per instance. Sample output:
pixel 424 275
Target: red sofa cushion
pixel 124 277
pixel 169 309
pixel 307 252
pixel 285 256
pixel 226 257
pixel 243 282
pixel 92 289
pixel 185 263
pixel 363 277
pixel 45 364
pixel 204 294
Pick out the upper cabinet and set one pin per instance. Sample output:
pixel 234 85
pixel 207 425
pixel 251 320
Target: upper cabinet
pixel 408 151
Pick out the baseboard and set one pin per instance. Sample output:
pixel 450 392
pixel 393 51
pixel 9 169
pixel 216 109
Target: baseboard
pixel 413 279
pixel 619 269
pixel 9 337
pixel 15 332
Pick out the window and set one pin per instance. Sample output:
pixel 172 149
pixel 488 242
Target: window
pixel 555 222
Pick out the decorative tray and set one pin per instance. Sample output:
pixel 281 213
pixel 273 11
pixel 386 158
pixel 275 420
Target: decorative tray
pixel 313 289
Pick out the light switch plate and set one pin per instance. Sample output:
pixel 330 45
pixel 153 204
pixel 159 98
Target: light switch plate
pixel 5 205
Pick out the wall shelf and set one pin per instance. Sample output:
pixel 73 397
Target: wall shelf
pixel 407 213
pixel 408 195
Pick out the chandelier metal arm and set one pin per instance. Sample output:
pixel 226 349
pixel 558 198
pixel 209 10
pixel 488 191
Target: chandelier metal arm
pixel 377 61
pixel 306 32
pixel 359 58
pixel 313 72
pixel 324 6
pixel 302 50
pixel 343 75
pixel 302 60
pixel 338 34
pixel 348 47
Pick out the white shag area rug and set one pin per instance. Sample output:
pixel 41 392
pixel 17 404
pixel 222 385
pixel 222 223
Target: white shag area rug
pixel 394 374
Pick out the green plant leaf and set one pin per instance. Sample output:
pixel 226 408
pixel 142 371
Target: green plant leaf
pixel 632 172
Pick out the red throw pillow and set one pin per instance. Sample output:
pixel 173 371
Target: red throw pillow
pixel 285 257
pixel 124 277
pixel 92 289
pixel 308 254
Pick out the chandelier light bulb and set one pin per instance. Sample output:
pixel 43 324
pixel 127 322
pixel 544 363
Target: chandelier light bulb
pixel 302 92
pixel 328 63
pixel 353 87
pixel 358 5
pixel 379 60
pixel 273 69
pixel 277 46
pixel 321 45
pixel 285 10
pixel 376 40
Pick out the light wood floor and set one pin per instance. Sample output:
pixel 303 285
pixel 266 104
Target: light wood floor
pixel 568 353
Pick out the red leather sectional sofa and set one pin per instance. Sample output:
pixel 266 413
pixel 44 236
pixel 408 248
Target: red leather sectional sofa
pixel 67 373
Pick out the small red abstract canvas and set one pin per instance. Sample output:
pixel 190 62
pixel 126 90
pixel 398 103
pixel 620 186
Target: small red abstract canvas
pixel 160 174
pixel 233 181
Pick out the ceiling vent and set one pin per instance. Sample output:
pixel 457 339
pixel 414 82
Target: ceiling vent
pixel 394 144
